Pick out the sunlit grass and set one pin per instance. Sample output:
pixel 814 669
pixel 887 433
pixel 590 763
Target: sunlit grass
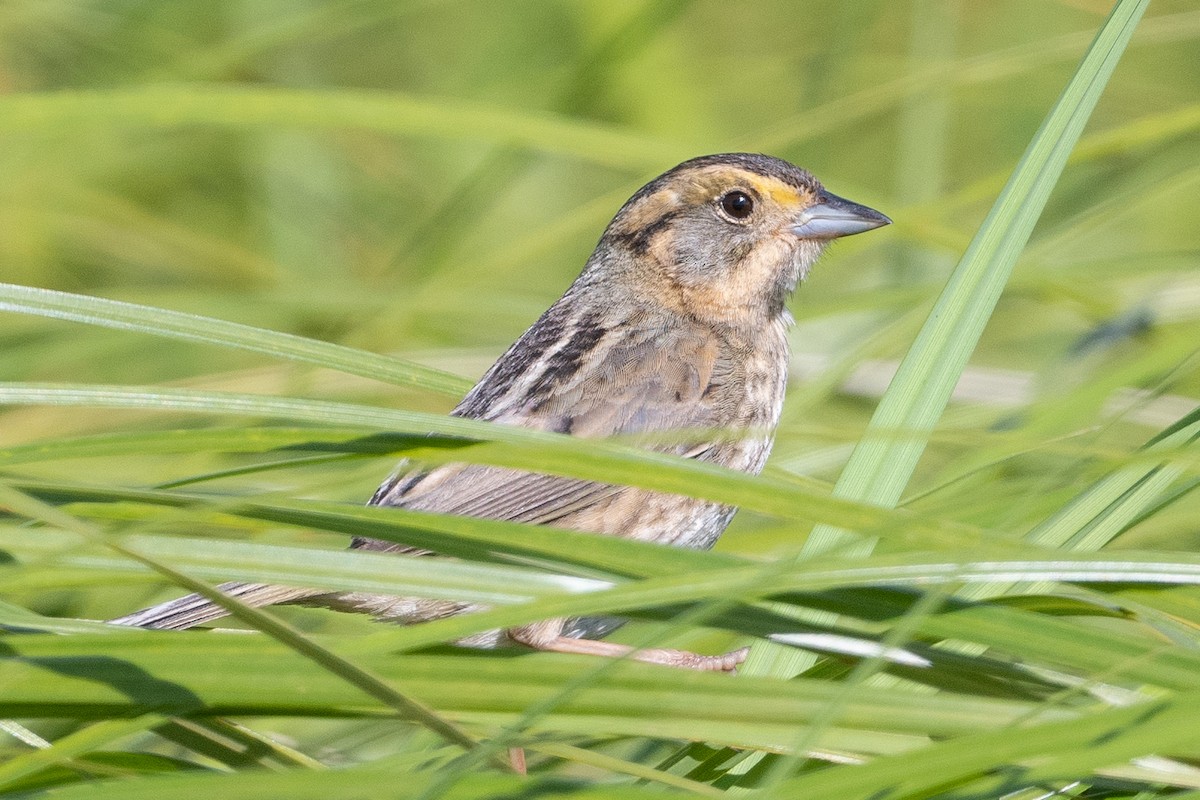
pixel 251 258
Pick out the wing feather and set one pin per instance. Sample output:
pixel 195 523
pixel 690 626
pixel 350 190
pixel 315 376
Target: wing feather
pixel 660 381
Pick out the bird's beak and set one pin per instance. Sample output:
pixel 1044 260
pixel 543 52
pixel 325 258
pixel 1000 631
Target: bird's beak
pixel 833 216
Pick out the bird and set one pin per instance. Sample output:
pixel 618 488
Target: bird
pixel 677 322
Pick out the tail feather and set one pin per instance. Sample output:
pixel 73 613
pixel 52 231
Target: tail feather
pixel 192 609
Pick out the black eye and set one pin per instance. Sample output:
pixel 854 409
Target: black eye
pixel 737 204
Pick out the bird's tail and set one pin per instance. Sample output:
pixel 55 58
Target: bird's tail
pixel 193 609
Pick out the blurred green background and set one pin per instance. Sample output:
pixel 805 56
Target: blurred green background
pixel 422 179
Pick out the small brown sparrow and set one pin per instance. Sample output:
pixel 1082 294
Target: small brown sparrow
pixel 678 322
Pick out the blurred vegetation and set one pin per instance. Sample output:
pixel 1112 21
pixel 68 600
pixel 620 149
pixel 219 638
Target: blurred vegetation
pixel 420 180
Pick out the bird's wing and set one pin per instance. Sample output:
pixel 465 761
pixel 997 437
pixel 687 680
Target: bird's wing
pixel 639 385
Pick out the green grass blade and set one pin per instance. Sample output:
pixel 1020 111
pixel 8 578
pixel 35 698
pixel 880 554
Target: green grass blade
pixel 1101 739
pixel 195 328
pixel 232 673
pixel 510 446
pixel 884 460
pixel 66 750
pixel 345 669
pixel 1100 513
pixel 233 745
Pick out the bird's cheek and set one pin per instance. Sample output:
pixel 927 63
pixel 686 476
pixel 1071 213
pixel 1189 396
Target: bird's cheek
pixel 804 255
pixel 774 260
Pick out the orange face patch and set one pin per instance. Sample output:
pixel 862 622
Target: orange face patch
pixel 711 182
pixel 782 194
pixel 704 186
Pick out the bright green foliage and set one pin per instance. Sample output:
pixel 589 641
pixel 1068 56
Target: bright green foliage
pixel 252 252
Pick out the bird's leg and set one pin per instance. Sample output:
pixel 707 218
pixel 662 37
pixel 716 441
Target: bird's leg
pixel 674 658
pixel 548 637
pixel 516 758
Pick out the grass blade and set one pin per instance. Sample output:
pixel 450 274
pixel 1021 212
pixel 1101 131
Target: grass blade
pixel 196 328
pixel 884 460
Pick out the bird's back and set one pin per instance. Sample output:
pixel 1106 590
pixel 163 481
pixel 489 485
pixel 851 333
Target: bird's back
pixel 657 380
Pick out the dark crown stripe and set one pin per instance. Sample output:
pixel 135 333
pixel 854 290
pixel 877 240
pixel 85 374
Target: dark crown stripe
pixel 639 241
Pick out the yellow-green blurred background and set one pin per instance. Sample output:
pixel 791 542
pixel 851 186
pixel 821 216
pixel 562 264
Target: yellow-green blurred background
pixel 423 178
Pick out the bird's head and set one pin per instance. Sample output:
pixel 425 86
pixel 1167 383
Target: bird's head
pixel 726 238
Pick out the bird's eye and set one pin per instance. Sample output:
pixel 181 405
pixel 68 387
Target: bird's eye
pixel 737 204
